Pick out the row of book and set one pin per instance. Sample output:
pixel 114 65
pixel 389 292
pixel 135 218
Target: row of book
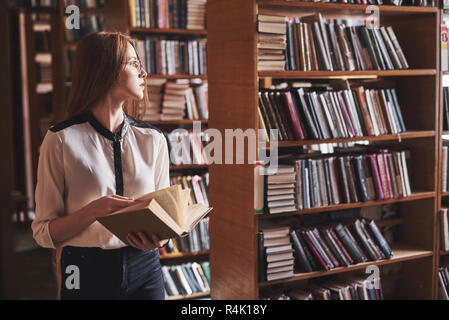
pixel 197 240
pixel 187 147
pixel 170 14
pixel 88 24
pixel 420 3
pixel 319 248
pixel 444 168
pixel 350 288
pixel 444 229
pixel 85 3
pixel 44 72
pixel 177 99
pixel 315 114
pixel 198 185
pixel 313 43
pixel 34 3
pixel 318 182
pixel 186 278
pixel 162 56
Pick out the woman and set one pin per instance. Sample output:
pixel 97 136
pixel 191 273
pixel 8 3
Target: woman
pixel 93 164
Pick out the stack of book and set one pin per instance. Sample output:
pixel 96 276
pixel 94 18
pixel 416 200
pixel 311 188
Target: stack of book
pixel 187 278
pixel 34 3
pixel 331 114
pixel 351 178
pixel 329 247
pixel 174 100
pixel 168 14
pixel 85 3
pixel 276 259
pixel 444 230
pixel 443 281
pixel 162 56
pixel 349 288
pixel 197 240
pixel 280 189
pixel 316 44
pixel 187 147
pixel 196 14
pixel 271 42
pixel 155 89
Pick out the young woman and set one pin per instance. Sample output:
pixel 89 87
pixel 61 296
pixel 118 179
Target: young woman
pixel 93 164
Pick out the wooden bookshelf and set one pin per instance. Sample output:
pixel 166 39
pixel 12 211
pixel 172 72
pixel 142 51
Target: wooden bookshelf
pixel 234 82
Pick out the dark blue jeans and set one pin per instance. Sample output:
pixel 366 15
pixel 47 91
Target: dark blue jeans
pixel 125 273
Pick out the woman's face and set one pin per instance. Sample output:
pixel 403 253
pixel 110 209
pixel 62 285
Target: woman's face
pixel 131 81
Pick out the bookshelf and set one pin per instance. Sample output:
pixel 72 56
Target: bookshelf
pixel 234 82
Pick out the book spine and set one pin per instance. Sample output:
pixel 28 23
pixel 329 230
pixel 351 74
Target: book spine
pixel 301 257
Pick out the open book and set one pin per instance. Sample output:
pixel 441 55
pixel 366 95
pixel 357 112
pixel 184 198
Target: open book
pixel 165 212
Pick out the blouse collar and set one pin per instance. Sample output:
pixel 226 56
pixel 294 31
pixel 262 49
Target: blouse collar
pixel 104 131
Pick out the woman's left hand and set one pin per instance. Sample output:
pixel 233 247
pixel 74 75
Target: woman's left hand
pixel 141 241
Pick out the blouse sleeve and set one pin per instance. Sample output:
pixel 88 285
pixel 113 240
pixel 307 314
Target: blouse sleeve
pixel 49 193
pixel 162 175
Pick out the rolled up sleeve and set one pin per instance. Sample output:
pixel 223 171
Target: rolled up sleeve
pixel 49 193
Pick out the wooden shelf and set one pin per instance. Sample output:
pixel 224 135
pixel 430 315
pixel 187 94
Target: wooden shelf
pixel 401 253
pixel 188 166
pixel 322 74
pixel 339 7
pixel 445 194
pixel 413 197
pixel 52 10
pixel 186 255
pixel 388 137
pixel 189 296
pixel 444 253
pixel 182 32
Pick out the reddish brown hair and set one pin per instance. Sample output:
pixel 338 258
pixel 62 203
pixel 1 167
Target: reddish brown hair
pixel 99 58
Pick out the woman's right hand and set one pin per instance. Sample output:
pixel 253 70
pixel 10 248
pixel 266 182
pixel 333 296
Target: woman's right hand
pixel 108 204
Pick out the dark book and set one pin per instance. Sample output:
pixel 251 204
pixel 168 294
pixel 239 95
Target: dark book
pixel 311 128
pixel 380 240
pixel 351 180
pixel 360 235
pixel 313 112
pixel 357 52
pixel 271 113
pixel 319 248
pixel 397 110
pixel 367 42
pixel 303 263
pixel 285 115
pixel 327 178
pixel 376 177
pixel 362 181
pixel 345 114
pixel 343 180
pixel 261 257
pixel 310 257
pixel 376 49
pixel 296 122
pixel 335 47
pixel 348 243
pixel 278 114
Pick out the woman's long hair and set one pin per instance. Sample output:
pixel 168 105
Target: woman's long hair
pixel 99 58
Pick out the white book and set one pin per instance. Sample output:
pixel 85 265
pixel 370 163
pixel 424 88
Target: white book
pixel 444 48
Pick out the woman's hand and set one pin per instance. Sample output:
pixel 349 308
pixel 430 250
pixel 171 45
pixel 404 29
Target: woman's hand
pixel 141 241
pixel 108 204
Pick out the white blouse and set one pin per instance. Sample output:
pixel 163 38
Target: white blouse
pixel 80 161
